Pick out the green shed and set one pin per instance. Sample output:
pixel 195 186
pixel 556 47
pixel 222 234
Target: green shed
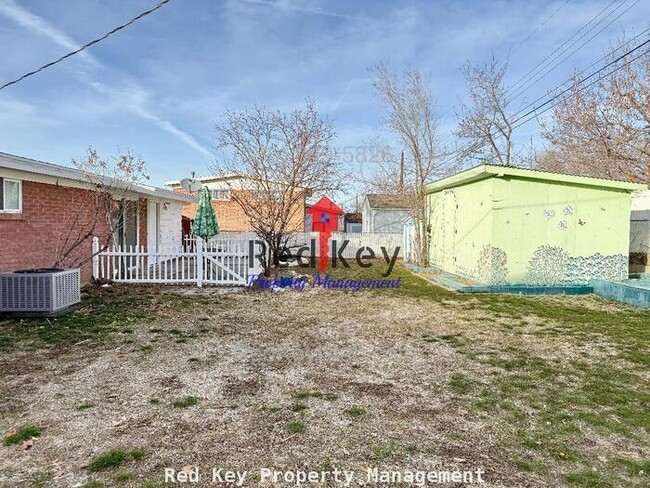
pixel 501 225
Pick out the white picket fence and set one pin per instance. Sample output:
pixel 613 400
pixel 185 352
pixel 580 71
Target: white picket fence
pixel 222 260
pixel 219 261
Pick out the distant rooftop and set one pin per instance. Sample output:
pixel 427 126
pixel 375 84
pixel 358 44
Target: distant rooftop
pixel 208 178
pixel 388 200
pixel 353 217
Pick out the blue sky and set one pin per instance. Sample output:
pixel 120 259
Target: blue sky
pixel 158 86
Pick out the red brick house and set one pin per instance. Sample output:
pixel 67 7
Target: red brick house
pixel 49 213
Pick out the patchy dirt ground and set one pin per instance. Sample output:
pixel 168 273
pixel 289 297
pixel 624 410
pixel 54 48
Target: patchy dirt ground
pixel 519 387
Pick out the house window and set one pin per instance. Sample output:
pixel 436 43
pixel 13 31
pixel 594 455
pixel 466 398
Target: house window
pixel 11 195
pixel 221 194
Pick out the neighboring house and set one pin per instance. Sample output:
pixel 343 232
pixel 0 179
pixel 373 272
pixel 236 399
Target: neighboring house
pixel 640 232
pixel 353 222
pixel 505 225
pixel 324 215
pixel 384 213
pixel 230 214
pixel 49 213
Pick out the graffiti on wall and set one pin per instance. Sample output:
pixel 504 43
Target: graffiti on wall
pixel 444 228
pixel 548 213
pixel 492 265
pixel 552 265
pixel 547 266
pixel 597 266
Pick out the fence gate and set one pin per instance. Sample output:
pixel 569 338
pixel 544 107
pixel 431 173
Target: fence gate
pixel 219 261
pixel 223 261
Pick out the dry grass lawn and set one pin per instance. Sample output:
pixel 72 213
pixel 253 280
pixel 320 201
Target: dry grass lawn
pixel 537 391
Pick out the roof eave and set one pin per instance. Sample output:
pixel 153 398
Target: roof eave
pixel 19 163
pixel 491 171
pixel 563 178
pixel 469 176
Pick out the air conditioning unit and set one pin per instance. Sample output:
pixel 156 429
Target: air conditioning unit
pixel 39 292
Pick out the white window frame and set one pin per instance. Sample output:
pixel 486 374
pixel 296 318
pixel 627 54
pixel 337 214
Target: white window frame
pixel 4 195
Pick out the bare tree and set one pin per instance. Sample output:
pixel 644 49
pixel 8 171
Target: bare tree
pixel 98 210
pixel 603 130
pixel 484 125
pixel 283 158
pixel 410 115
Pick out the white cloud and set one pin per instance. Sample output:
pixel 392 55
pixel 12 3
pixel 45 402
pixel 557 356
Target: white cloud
pixel 38 25
pixel 133 96
pixel 293 6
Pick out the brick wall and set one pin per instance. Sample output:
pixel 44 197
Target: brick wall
pixel 232 217
pixel 142 231
pixel 53 217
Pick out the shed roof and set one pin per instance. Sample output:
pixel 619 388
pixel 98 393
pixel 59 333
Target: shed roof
pixel 20 163
pixel 388 200
pixel 484 171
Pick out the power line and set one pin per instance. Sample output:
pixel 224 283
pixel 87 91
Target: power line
pixel 534 112
pixel 87 45
pixel 540 26
pixel 543 74
pixel 609 54
pixel 479 144
pixel 473 147
pixel 570 42
pixel 524 41
pixel 561 48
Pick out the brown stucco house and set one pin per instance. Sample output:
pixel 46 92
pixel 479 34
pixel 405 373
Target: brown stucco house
pixel 230 214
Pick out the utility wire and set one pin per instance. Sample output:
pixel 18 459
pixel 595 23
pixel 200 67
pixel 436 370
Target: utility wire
pixel 540 26
pixel 570 42
pixel 86 46
pixel 534 112
pixel 558 63
pixel 559 51
pixel 604 58
pixel 472 147
pixel 480 144
pixel 582 80
pixel 524 41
